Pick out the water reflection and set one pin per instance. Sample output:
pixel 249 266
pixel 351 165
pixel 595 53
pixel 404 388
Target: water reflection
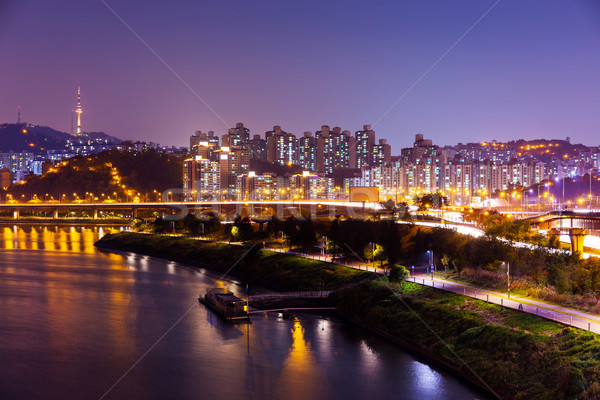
pixel 428 379
pixel 53 238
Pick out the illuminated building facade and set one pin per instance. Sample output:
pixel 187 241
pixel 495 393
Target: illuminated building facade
pixel 365 140
pixel 282 147
pixel 335 149
pixel 307 152
pixel 201 179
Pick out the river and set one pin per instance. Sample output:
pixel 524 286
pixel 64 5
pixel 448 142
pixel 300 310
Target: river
pixel 80 323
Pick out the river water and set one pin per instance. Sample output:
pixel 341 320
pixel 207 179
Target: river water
pixel 79 323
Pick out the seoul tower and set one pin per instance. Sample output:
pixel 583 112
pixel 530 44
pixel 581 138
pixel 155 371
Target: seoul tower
pixel 78 110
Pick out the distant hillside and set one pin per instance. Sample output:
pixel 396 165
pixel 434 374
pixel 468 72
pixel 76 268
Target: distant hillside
pixel 145 172
pixel 38 139
pixel 546 149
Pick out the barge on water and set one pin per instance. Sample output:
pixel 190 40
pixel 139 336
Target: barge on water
pixel 225 304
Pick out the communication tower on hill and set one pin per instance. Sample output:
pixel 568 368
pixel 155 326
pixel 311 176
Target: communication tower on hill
pixel 78 110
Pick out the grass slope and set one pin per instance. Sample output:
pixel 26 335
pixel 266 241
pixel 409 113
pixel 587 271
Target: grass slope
pixel 282 272
pixel 519 356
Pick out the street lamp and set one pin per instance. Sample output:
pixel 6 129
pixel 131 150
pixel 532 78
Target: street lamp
pixel 507 277
pixel 563 191
pixel 590 195
pixel 430 252
pixel 373 254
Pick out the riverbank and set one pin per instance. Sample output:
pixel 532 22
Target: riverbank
pixel 515 355
pixel 276 271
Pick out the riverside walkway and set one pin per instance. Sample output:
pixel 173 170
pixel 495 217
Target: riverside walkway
pixel 345 263
pixel 564 315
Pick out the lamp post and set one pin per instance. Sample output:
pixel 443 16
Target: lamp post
pixel 508 278
pixel 590 195
pixel 431 262
pixel 563 191
pixel 373 254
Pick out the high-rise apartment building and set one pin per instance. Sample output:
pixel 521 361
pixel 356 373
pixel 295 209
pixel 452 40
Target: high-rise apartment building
pixel 201 178
pixel 238 136
pixel 258 148
pixel 365 140
pixel 309 186
pixel 307 152
pixel 381 153
pixel 204 144
pixel 233 162
pixel 335 149
pixel 259 187
pixel 282 147
pixel 423 149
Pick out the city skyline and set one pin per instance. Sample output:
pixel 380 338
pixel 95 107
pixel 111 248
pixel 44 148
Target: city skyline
pixel 465 72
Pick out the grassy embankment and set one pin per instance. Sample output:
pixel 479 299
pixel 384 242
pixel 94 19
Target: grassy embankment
pixel 277 271
pixel 519 356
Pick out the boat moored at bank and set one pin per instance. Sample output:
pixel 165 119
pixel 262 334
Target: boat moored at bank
pixel 225 304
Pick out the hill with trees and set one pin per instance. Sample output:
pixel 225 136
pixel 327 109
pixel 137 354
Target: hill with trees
pixel 113 173
pixel 36 139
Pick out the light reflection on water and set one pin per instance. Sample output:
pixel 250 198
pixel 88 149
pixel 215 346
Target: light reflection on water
pixel 52 238
pixel 74 319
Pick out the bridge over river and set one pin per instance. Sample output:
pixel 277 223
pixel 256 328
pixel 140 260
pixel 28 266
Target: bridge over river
pixel 575 224
pixel 175 210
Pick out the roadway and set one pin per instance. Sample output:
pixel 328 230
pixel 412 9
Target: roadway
pixel 590 241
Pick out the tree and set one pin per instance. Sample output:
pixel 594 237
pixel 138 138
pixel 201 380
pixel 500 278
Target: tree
pixel 379 254
pixel 212 223
pixel 139 224
pixel 391 239
pixel 246 231
pixel 307 235
pixel 445 260
pixel 191 224
pixel 158 226
pixel 368 252
pixel 430 200
pixel 291 230
pixel 334 244
pixel 398 274
pixel 235 232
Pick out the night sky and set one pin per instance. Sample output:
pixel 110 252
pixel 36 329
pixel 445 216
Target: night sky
pixel 527 69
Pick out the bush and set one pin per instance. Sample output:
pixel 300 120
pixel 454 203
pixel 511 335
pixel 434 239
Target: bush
pixel 398 274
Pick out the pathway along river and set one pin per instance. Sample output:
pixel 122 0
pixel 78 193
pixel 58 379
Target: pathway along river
pixel 74 320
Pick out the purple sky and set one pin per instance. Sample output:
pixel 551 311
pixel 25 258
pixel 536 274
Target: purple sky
pixel 528 69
